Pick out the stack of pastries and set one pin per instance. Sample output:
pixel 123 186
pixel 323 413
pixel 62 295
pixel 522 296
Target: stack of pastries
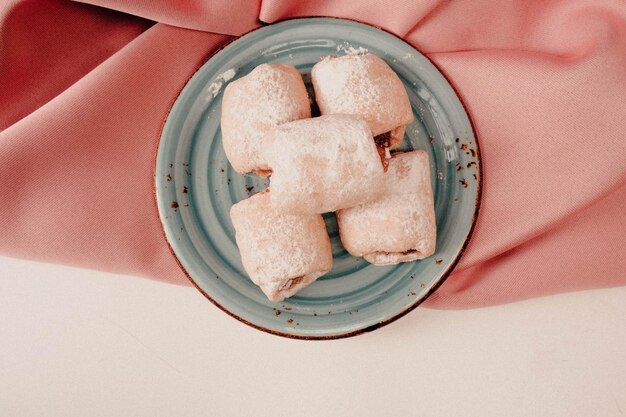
pixel 338 162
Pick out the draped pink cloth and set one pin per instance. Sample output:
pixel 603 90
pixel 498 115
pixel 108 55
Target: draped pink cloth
pixel 85 88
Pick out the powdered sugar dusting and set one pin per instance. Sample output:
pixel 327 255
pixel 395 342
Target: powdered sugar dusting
pixel 362 85
pixel 281 252
pixel 215 87
pixel 348 49
pixel 270 95
pixel 323 164
pixel 402 219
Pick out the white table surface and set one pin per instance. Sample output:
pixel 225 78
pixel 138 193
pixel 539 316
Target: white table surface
pixel 85 343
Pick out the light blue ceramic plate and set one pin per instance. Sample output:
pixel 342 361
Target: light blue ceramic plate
pixel 196 186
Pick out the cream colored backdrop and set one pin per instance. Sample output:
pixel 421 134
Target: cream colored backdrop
pixel 83 343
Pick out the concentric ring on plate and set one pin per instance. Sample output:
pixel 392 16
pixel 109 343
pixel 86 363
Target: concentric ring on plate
pixel 196 186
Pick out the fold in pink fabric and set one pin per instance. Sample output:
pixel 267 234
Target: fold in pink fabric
pixel 85 88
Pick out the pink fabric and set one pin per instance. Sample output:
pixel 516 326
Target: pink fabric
pixel 231 17
pixel 84 91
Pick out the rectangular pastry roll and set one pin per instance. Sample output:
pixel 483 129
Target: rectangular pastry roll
pixel 268 96
pixel 366 86
pixel 400 225
pixel 282 253
pixel 323 164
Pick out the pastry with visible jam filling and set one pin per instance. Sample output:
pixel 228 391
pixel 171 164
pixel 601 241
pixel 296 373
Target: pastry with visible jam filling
pixel 400 225
pixel 365 86
pixel 282 253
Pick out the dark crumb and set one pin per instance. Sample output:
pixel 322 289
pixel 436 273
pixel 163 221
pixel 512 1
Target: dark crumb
pixel 171 165
pixel 459 167
pixel 456 199
pixel 475 177
pixel 413 293
pixel 329 312
pixel 228 181
pixel 315 314
pixel 287 308
pixel 422 285
pixel 412 276
pixel 456 140
pixel 438 261
pixel 174 204
pixel 187 172
pixel 290 321
pixel 168 177
pixel 470 164
pixel 464 146
pixel 221 169
pixel 249 188
pixel 467 153
pixel 277 312
pixel 383 141
pixel 185 165
pixel 186 205
pixel 431 139
pixel 297 324
pixel 185 189
pixel 315 110
pixel 217 277
pixel 473 152
pixel 464 182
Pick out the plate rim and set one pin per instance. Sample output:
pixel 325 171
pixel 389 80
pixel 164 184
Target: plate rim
pixel 442 278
